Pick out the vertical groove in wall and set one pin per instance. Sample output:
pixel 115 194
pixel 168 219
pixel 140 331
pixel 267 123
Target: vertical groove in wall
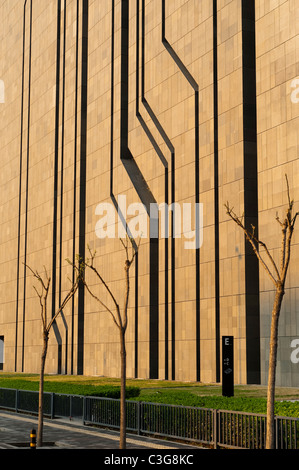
pixel 216 192
pixel 82 198
pixel 165 164
pixel 197 250
pixel 142 189
pixel 250 190
pixel 55 188
pixel 154 242
pixel 27 187
pixel 136 322
pixel 112 94
pixel 192 82
pixel 62 191
pixel 153 269
pixel 124 150
pixel 20 187
pixel 112 196
pixel 74 183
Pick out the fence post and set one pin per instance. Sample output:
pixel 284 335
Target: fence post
pixel 71 410
pixel 276 432
pixel 215 428
pixel 138 417
pixel 52 406
pixel 84 410
pixel 17 400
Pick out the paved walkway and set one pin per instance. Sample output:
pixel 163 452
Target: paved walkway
pixel 65 434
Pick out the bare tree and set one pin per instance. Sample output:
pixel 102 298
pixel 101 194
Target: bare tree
pixel 42 293
pixel 278 275
pixel 119 318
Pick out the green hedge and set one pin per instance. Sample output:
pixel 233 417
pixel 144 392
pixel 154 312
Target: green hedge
pixel 242 404
pixel 107 391
pixel 187 398
pixel 174 397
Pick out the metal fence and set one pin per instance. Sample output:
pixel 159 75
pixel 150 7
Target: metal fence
pixel 215 428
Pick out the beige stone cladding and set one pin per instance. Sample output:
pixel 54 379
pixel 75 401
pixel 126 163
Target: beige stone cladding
pixel 168 95
pixel 231 172
pixel 28 147
pixel 277 52
pixel 154 107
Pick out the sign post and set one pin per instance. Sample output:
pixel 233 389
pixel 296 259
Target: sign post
pixel 227 366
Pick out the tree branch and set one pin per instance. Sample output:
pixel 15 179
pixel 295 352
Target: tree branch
pixel 252 239
pixel 69 295
pixel 104 305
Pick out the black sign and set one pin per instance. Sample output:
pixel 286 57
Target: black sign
pixel 228 366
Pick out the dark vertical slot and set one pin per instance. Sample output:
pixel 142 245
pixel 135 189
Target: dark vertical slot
pixel 75 180
pixel 250 190
pixel 154 299
pixel 20 186
pixel 112 95
pixel 136 325
pixel 216 191
pixel 198 222
pixel 154 249
pixel 27 188
pixel 124 86
pixel 166 335
pixel 192 82
pixel 55 189
pixel 1 352
pixel 82 199
pixel 172 274
pixel 154 242
pixel 111 184
pixel 61 185
pixel 172 248
pixel 166 166
pixel 136 318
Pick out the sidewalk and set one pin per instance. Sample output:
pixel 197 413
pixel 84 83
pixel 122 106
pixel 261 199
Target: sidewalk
pixel 65 434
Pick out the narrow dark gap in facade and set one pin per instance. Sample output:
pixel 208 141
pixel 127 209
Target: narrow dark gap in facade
pixel 197 250
pixel 216 192
pixel 192 82
pixel 61 192
pixel 20 187
pixel 166 188
pixel 164 162
pixel 55 188
pixel 250 190
pixel 82 198
pixel 27 187
pixel 142 189
pixel 136 323
pixel 75 180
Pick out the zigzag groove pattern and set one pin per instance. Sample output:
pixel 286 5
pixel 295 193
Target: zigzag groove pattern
pixel 192 82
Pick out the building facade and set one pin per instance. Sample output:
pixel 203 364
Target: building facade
pixel 112 107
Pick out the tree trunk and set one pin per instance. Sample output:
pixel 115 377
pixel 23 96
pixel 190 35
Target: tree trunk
pixel 122 440
pixel 270 439
pixel 41 391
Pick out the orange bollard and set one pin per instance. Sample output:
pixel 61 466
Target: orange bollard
pixel 33 439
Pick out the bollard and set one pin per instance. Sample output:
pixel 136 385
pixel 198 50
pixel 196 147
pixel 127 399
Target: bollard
pixel 33 439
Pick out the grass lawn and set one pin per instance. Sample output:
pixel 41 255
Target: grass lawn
pixel 247 398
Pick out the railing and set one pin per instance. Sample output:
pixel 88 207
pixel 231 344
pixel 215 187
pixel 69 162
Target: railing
pixel 180 422
pixel 241 430
pixel 215 428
